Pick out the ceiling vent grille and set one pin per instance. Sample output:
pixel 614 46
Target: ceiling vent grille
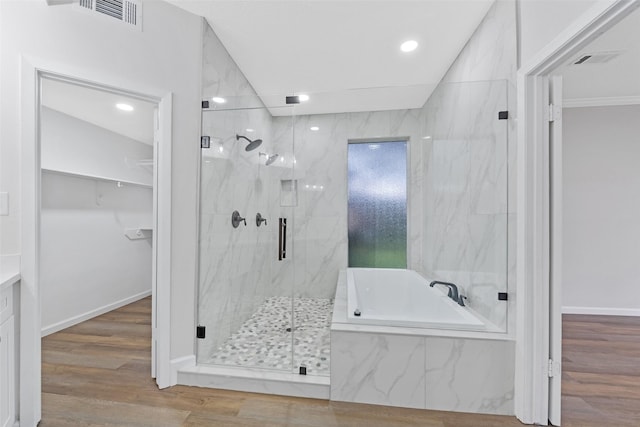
pixel 596 58
pixel 128 11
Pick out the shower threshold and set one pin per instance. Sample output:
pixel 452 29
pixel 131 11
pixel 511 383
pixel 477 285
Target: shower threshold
pixel 256 381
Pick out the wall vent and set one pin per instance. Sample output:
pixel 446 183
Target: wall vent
pixel 595 58
pixel 127 11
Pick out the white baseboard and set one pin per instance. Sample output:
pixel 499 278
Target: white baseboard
pixel 602 311
pixel 48 330
pixel 181 363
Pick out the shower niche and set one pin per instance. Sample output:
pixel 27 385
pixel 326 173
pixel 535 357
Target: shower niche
pixel 288 192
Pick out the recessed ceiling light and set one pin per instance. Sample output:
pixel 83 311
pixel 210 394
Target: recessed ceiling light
pixel 218 100
pixel 303 97
pixel 314 128
pixel 124 107
pixel 409 46
pixel 250 130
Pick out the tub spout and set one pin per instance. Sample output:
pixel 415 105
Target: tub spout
pixel 453 290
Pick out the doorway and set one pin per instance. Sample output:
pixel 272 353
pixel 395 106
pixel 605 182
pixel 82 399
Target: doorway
pixel 540 233
pixel 97 193
pixel 33 74
pixel 599 234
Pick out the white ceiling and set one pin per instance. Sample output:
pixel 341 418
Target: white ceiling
pixel 331 47
pixel 617 80
pixel 99 108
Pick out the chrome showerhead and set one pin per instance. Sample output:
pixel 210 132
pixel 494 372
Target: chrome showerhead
pixel 270 159
pixel 253 144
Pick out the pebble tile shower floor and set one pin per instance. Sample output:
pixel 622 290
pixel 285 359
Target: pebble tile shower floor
pixel 265 339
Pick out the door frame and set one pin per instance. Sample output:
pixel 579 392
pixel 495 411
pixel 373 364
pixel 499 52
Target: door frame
pixel 31 72
pixel 534 192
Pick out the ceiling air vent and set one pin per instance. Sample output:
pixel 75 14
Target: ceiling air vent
pixel 128 11
pixel 595 58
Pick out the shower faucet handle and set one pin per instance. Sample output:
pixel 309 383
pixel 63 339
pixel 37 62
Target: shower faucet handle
pixel 236 219
pixel 260 219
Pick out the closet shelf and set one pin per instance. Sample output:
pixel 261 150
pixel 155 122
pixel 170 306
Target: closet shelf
pixel 138 233
pixel 100 178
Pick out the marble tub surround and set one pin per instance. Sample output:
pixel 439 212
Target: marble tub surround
pixel 436 369
pixel 438 373
pixel 468 375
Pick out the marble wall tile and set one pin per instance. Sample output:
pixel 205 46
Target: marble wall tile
pixel 379 369
pixel 222 77
pixel 468 179
pixel 469 375
pixel 320 215
pixel 490 53
pixel 234 269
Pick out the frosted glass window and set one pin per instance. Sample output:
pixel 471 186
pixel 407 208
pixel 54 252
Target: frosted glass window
pixel 377 183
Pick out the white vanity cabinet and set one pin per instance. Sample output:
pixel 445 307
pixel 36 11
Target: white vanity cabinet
pixel 7 357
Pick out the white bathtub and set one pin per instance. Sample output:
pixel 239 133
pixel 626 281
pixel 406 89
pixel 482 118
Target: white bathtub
pixel 397 297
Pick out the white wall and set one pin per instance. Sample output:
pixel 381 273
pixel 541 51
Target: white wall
pixel 540 21
pixel 88 266
pixel 601 217
pixel 165 56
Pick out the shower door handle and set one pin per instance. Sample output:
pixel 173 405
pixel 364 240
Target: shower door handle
pixel 282 239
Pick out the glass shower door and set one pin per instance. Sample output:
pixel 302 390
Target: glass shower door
pixel 244 297
pixel 467 204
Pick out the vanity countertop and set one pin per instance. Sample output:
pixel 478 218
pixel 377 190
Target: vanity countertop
pixel 9 270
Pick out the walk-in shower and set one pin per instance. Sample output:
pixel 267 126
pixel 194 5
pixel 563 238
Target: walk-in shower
pixel 259 309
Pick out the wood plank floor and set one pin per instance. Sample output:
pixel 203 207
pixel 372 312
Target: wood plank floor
pixel 97 374
pixel 601 371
